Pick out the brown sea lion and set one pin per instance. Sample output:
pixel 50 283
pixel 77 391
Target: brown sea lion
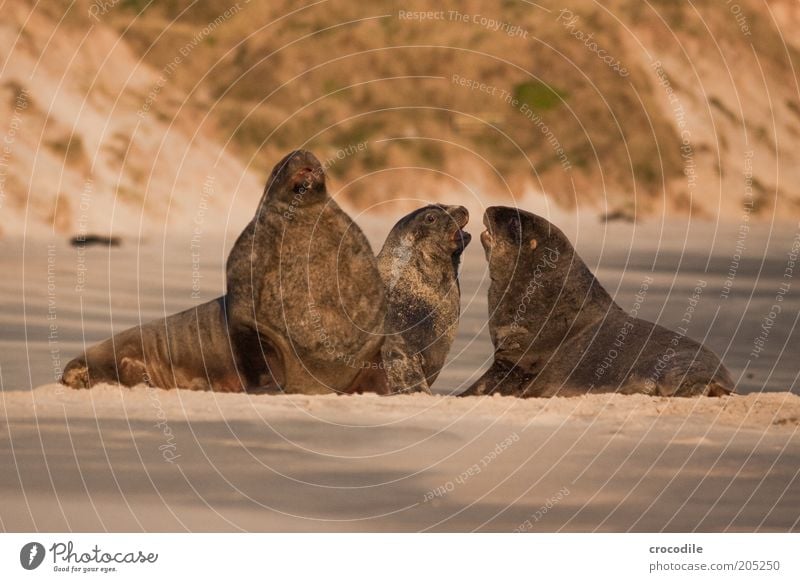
pixel 303 311
pixel 190 349
pixel 303 284
pixel 556 331
pixel 419 266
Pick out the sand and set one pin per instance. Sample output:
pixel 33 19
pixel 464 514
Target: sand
pixel 132 460
pixel 145 459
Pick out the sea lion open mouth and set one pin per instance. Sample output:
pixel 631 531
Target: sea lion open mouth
pixel 300 171
pixel 461 237
pixel 460 216
pixel 487 240
pixel 306 178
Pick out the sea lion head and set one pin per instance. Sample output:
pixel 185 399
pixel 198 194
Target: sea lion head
pixel 515 239
pixel 297 179
pixel 436 229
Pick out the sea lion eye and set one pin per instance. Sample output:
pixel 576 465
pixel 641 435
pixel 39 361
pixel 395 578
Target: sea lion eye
pixel 430 218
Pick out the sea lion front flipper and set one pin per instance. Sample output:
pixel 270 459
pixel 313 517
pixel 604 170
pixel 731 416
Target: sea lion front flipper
pixel 502 378
pixel 404 371
pixel 717 389
pixel 371 378
pixel 713 388
pixel 296 377
pixel 132 372
pixel 696 374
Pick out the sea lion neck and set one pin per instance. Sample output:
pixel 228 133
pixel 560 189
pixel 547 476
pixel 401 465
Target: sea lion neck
pixel 548 299
pixel 299 207
pixel 404 267
pixel 455 262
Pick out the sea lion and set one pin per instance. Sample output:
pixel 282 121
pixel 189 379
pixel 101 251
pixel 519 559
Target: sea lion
pixel 303 308
pixel 303 284
pixel 419 268
pixel 188 350
pixel 556 331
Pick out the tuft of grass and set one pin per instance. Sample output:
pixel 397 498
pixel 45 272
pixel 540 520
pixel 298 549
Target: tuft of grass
pixel 136 5
pixel 539 96
pixel 793 107
pixel 717 104
pixel 70 147
pixel 358 132
pixel 431 153
pixel 646 171
pixel 330 85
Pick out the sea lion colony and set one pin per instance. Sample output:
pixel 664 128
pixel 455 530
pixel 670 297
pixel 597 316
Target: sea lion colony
pixel 309 309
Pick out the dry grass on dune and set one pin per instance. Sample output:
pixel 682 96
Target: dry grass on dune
pixel 252 80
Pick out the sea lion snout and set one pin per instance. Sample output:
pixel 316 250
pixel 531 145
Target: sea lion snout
pixel 303 157
pixel 462 238
pixel 305 170
pixel 509 227
pixel 487 238
pixel 459 215
pixel 298 172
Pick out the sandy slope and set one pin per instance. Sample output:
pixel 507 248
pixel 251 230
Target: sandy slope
pixel 154 460
pixel 104 131
pixel 80 154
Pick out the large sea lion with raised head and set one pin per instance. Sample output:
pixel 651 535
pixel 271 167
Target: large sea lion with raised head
pixel 303 286
pixel 556 331
pixel 303 310
pixel 419 266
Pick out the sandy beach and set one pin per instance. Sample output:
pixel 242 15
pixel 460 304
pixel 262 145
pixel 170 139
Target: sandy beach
pixel 145 459
pixel 131 460
pixel 56 300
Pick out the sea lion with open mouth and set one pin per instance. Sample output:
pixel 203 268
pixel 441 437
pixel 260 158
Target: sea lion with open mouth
pixel 557 332
pixel 303 310
pixel 419 266
pixel 303 284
